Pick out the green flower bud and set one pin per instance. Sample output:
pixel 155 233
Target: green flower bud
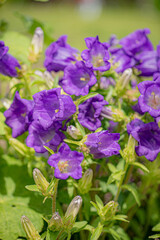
pixel 29 229
pixel 55 223
pixel 40 181
pixel 129 153
pixel 123 81
pixel 74 132
pixel 108 211
pixel 85 182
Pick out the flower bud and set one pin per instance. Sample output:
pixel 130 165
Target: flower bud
pixel 107 113
pixel 29 229
pixel 36 46
pixel 40 181
pixel 85 182
pixel 108 211
pixel 128 153
pixel 19 147
pixel 73 208
pixel 74 132
pixel 55 223
pixel 123 81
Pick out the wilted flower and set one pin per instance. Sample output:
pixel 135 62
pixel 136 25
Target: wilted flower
pixel 59 54
pixel 19 115
pixel 90 112
pixel 66 163
pixel 77 79
pixel 103 144
pixel 8 63
pixel 97 55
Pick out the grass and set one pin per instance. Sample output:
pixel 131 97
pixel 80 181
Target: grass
pixel 65 19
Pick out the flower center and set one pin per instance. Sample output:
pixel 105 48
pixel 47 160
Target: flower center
pixel 97 61
pixel 63 166
pixel 154 101
pixel 86 77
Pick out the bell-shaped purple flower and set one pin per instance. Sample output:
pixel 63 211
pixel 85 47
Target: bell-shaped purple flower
pixel 103 144
pixel 19 115
pixel 90 112
pixel 136 42
pixel 148 137
pixel 59 54
pixel 8 63
pixel 51 106
pixel 39 137
pixel 66 163
pixel 149 101
pixel 77 79
pixel 97 55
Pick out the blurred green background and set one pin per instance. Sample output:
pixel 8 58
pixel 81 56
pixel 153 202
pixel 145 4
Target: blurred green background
pixel 119 17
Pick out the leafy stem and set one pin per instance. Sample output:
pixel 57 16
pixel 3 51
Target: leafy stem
pixel 54 196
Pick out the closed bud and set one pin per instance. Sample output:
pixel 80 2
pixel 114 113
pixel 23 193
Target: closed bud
pixel 40 181
pixel 74 132
pixel 109 211
pixel 36 46
pixel 107 113
pixel 19 147
pixel 29 229
pixel 85 182
pixel 73 210
pixel 128 153
pixel 124 81
pixel 55 223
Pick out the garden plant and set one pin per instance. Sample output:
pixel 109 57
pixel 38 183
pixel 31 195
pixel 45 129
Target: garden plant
pixel 80 139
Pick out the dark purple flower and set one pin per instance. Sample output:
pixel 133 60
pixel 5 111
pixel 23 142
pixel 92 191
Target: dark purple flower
pixel 90 112
pixel 78 79
pixel 103 144
pixel 59 54
pixel 66 163
pixel 113 41
pixel 18 116
pixel 97 55
pixel 39 137
pixel 149 101
pixel 8 63
pixel 148 137
pixel 136 42
pixel 51 106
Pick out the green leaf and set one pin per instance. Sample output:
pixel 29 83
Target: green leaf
pixel 32 188
pixel 97 232
pixel 96 207
pixel 72 142
pixel 51 235
pixel 155 236
pixel 111 167
pixel 99 202
pixel 156 228
pixel 48 149
pixel 41 0
pixel 120 218
pixel 84 98
pixel 80 127
pixel 133 191
pixel 115 176
pixel 78 226
pixel 89 228
pixel 141 166
pixel 2 124
pixel 114 234
pixel 51 185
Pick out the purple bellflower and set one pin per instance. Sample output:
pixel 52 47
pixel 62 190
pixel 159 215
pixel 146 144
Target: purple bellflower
pixel 78 79
pixel 149 100
pixel 39 137
pixel 8 63
pixel 103 144
pixel 147 136
pixel 90 112
pixel 97 55
pixel 51 106
pixel 19 115
pixel 66 163
pixel 59 54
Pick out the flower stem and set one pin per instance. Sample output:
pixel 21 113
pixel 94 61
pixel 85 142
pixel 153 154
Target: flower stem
pixel 54 196
pixel 121 182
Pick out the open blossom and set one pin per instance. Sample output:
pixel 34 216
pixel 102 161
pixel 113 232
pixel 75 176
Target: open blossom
pixel 59 54
pixel 51 106
pixel 19 115
pixel 90 112
pixel 39 137
pixel 103 144
pixel 66 163
pixel 97 55
pixel 8 63
pixel 149 101
pixel 78 79
pixel 147 136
